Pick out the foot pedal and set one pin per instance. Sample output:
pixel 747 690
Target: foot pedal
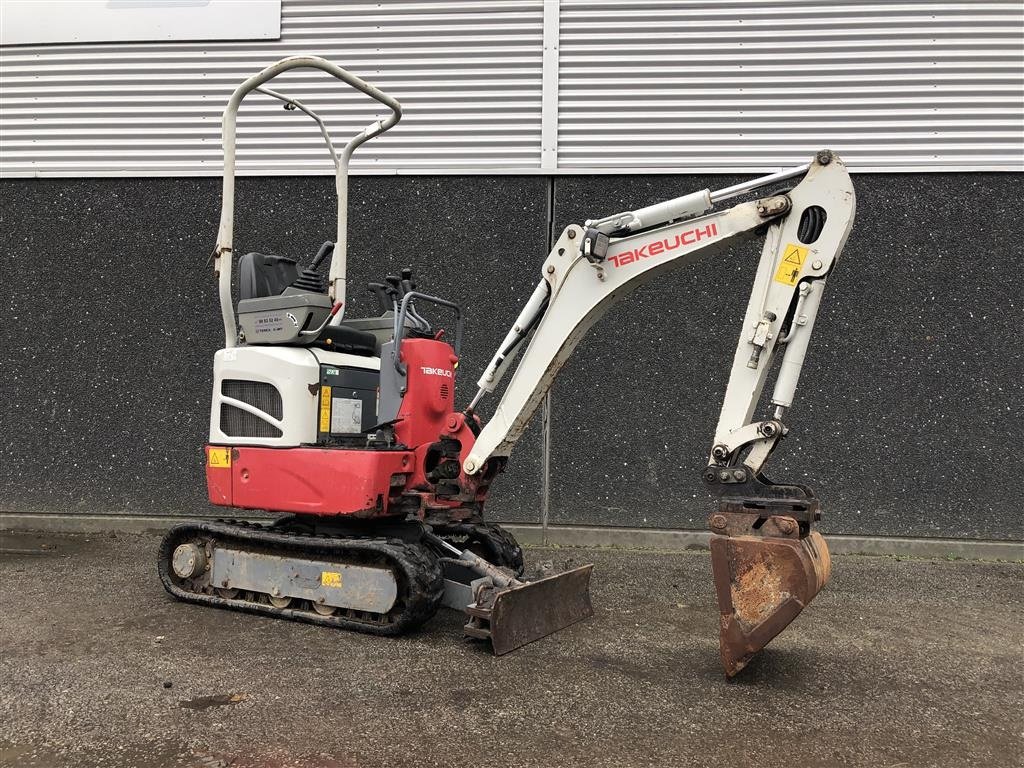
pixel 511 617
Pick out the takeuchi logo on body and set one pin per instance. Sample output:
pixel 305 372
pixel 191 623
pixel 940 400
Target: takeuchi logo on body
pixel 444 373
pixel 658 247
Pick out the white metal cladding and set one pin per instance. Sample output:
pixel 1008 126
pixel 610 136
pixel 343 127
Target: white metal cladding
pixel 468 74
pixel 637 86
pixel 753 85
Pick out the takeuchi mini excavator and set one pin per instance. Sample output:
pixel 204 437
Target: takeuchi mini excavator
pixel 347 428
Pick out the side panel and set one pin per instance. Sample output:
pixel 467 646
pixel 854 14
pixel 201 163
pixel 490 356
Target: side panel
pixel 312 481
pixel 270 395
pixel 430 391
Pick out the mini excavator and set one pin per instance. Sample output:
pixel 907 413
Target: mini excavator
pixel 347 430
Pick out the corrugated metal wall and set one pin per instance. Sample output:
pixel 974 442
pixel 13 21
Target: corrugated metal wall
pixel 468 75
pixel 642 85
pixel 748 84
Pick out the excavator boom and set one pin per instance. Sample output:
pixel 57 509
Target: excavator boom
pixel 768 560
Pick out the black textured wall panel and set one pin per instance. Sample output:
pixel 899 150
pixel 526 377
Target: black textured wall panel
pixel 908 417
pixel 112 316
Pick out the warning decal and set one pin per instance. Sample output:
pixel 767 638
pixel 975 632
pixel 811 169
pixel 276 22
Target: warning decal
pixel 793 258
pixel 325 408
pixel 218 457
pixel 330 579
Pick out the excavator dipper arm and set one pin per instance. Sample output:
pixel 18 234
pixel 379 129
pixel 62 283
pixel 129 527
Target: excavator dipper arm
pixel 768 562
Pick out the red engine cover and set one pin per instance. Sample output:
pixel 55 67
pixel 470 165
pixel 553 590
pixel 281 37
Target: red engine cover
pixel 430 391
pixel 312 481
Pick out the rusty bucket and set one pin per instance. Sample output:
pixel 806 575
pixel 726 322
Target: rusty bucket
pixel 763 581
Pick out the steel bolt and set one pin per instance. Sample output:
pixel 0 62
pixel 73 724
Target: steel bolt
pixel 739 474
pixel 724 475
pixel 816 264
pixel 551 269
pixel 718 521
pixel 572 234
pixel 824 157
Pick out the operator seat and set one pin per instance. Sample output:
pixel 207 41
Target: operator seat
pixel 261 275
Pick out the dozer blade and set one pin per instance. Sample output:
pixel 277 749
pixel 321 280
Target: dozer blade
pixel 763 582
pixel 511 617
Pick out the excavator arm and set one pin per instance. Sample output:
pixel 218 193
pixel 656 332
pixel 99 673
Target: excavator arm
pixel 767 559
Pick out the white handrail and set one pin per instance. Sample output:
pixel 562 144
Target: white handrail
pixel 225 234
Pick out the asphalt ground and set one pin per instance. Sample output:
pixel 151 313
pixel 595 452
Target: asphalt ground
pixel 898 663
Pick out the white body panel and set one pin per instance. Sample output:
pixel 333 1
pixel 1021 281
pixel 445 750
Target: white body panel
pixel 294 372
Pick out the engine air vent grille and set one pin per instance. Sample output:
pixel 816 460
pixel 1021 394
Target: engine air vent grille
pixel 235 422
pixel 258 394
pixel 445 392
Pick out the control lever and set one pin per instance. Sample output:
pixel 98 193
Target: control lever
pixel 310 279
pixel 380 292
pixel 335 308
pixel 394 290
pixel 325 250
pixel 408 286
pixel 402 287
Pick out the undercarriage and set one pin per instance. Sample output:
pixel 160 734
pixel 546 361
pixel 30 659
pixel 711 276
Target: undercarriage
pixel 382 579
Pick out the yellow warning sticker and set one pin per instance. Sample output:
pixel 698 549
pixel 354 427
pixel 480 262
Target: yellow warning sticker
pixel 330 579
pixel 325 408
pixel 218 457
pixel 793 258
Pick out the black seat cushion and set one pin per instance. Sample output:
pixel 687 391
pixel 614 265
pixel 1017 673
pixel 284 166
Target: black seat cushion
pixel 342 338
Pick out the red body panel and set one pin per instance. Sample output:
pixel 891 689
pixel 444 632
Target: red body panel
pixel 310 481
pixel 430 391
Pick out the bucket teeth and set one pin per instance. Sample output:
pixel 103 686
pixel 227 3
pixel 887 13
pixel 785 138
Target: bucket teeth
pixel 762 584
pixel 513 616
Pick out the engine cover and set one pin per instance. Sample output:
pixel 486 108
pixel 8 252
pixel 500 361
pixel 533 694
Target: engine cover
pixel 271 396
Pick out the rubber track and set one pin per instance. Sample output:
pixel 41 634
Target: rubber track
pixel 500 547
pixel 416 567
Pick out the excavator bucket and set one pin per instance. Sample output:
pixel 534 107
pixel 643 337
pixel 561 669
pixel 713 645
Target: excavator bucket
pixel 762 583
pixel 510 617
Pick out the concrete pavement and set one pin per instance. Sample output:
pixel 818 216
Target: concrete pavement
pixel 897 663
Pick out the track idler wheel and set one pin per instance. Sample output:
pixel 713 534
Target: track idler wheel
pixel 766 571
